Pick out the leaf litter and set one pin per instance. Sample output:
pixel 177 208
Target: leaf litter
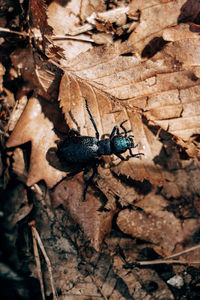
pixel 143 73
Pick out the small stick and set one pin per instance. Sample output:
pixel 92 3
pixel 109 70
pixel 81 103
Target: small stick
pixel 37 238
pixel 163 261
pixel 184 251
pixel 169 260
pixel 37 259
pixel 53 37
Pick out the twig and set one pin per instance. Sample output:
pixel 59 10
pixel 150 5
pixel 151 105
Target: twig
pixel 163 261
pixel 37 238
pixel 184 251
pixel 37 259
pixel 71 37
pixel 168 260
pixel 2 29
pixel 53 37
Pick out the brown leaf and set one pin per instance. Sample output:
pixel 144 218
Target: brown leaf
pixel 64 20
pixel 38 17
pixel 39 75
pixel 164 230
pixel 88 8
pixel 139 280
pixel 19 167
pixel 157 225
pixel 41 30
pixel 2 72
pixel 17 112
pixel 165 87
pixel 181 31
pixel 107 113
pixel 95 222
pixel 153 18
pixel 34 126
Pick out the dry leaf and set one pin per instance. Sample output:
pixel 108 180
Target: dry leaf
pixel 2 72
pixel 157 225
pixel 16 113
pixel 64 19
pixel 139 282
pixel 19 167
pixel 90 215
pixel 107 113
pixel 34 126
pixel 153 18
pixel 162 87
pixel 159 89
pixel 149 75
pixel 88 8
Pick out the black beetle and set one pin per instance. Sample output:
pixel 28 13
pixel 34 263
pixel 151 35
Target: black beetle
pixel 84 150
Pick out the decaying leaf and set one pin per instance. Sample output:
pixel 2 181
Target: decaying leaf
pixel 2 72
pixel 69 14
pixel 139 282
pixel 89 214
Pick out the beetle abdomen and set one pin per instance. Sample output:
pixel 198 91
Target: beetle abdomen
pixel 79 149
pixel 104 147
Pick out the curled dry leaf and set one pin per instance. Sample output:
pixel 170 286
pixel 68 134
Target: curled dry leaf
pixel 16 113
pixel 64 20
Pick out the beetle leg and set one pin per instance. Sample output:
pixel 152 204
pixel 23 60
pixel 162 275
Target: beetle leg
pixel 75 132
pixel 91 118
pixel 134 155
pixel 68 175
pixel 114 131
pixel 120 156
pixel 89 181
pixel 125 133
pixel 135 146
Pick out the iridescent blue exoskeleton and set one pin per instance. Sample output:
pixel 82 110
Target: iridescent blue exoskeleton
pixel 84 150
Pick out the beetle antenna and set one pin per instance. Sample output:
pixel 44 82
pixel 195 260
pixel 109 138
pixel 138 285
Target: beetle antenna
pixel 92 120
pixel 124 129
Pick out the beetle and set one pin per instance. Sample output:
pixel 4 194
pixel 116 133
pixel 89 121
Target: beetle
pixel 84 150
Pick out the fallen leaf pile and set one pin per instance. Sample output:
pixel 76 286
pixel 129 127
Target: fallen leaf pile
pixel 134 61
